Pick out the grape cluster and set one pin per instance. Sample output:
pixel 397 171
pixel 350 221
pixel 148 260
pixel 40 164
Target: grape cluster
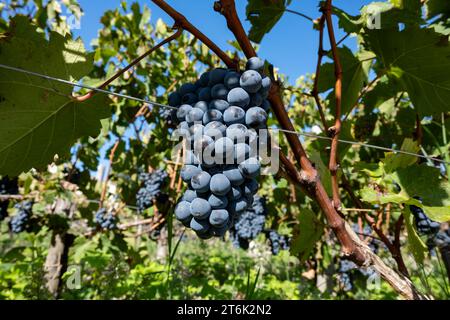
pixel 21 221
pixel 249 224
pixel 219 117
pixel 152 183
pixel 105 219
pixel 427 227
pixel 7 186
pixel 277 242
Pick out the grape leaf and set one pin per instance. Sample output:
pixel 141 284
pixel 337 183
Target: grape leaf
pixel 415 243
pixel 305 235
pixel 393 161
pixel 420 60
pixel 38 117
pixel 263 15
pixel 355 73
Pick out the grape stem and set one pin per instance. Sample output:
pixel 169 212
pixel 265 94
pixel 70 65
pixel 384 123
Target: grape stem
pixel 335 130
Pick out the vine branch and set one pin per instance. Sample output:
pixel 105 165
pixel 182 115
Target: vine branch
pixel 335 130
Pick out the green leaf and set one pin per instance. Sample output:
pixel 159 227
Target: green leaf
pixel 420 60
pixel 355 73
pixel 263 15
pixel 38 117
pixel 372 196
pixel 394 161
pixel 322 169
pixel 305 235
pixel 415 243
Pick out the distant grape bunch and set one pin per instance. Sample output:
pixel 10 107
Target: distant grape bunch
pixel 427 227
pixel 105 219
pixel 7 187
pixel 151 190
pixel 249 224
pixel 277 242
pixel 20 222
pixel 219 116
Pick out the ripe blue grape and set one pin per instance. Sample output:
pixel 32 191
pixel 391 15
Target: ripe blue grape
pixel 204 79
pixel 174 99
pixel 183 211
pixel 200 209
pixel 182 111
pixel 219 104
pixel 232 80
pixel 216 76
pixel 204 94
pixel 255 117
pixel 199 226
pixel 219 218
pixel 237 132
pixel 188 171
pixel 219 91
pixel 250 168
pixel 255 63
pixel 202 105
pixel 217 202
pixel 235 193
pixel 238 97
pixel 187 88
pixel 251 81
pixel 234 115
pixel 234 175
pixel 200 182
pixel 194 115
pixel 212 115
pixel 220 185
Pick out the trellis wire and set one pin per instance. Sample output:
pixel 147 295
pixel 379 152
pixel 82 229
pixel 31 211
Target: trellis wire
pixel 124 96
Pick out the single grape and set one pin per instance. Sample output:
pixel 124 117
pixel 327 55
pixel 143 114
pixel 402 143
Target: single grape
pixel 205 94
pixel 188 171
pixel 182 111
pixel 219 218
pixel 219 91
pixel 199 226
pixel 216 76
pixel 238 97
pixel 183 211
pixel 235 193
pixel 200 182
pixel 255 63
pixel 219 104
pixel 234 175
pixel 194 115
pixel 251 81
pixel 200 209
pixel 204 79
pixel 234 115
pixel 189 98
pixel 237 132
pixel 220 185
pixel 189 195
pixel 174 99
pixel 256 100
pixel 250 168
pixel 212 115
pixel 202 105
pixel 232 79
pixel 217 202
pixel 187 88
pixel 255 117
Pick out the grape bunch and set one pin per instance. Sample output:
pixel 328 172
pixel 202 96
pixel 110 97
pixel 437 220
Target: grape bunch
pixel 277 242
pixel 431 229
pixel 219 117
pixel 21 221
pixel 152 183
pixel 249 224
pixel 424 225
pixel 105 219
pixel 7 186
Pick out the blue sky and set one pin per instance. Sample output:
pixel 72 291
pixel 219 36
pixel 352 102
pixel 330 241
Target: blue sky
pixel 291 45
